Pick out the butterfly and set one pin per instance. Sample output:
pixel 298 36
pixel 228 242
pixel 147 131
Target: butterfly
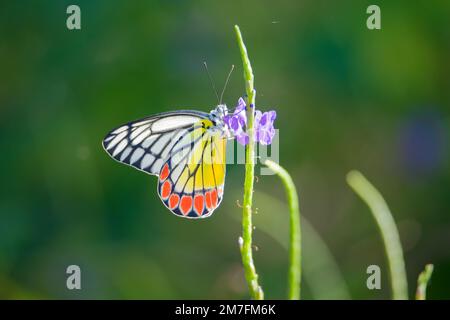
pixel 185 149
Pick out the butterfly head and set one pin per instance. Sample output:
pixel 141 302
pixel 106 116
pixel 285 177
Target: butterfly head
pixel 218 115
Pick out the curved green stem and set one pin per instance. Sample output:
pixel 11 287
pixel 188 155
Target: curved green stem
pixel 245 241
pixel 422 282
pixel 380 211
pixel 295 267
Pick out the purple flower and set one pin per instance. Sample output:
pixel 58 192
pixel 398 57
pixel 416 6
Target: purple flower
pixel 264 129
pixel 237 121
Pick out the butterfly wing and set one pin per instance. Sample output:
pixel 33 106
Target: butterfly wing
pixel 146 143
pixel 192 179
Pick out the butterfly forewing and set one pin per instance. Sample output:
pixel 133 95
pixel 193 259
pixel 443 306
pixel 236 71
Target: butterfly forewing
pixel 146 143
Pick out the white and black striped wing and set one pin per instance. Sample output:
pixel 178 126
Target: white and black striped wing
pixel 145 144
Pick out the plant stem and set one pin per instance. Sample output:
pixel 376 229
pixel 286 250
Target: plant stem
pixel 386 224
pixel 422 282
pixel 295 267
pixel 245 242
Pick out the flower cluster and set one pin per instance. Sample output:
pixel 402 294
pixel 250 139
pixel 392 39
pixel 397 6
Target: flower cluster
pixel 263 124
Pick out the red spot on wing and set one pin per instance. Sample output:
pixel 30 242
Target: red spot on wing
pixel 164 172
pixel 185 204
pixel 214 198
pixel 173 201
pixel 208 200
pixel 199 204
pixel 165 189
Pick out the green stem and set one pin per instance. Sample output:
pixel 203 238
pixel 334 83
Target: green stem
pixel 245 242
pixel 388 230
pixel 295 267
pixel 422 282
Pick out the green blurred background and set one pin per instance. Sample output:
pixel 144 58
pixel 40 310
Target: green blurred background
pixel 346 97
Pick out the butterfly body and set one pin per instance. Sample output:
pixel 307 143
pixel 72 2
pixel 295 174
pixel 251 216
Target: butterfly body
pixel 185 149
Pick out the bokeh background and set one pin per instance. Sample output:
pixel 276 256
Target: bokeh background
pixel 346 97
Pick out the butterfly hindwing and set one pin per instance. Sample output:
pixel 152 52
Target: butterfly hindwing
pixel 192 179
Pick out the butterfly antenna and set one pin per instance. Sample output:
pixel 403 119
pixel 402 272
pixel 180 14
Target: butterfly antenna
pixel 226 83
pixel 211 80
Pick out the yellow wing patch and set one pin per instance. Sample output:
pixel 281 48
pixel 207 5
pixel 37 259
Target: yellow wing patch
pixel 194 185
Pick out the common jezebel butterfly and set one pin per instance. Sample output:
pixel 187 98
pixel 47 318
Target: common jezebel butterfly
pixel 185 149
